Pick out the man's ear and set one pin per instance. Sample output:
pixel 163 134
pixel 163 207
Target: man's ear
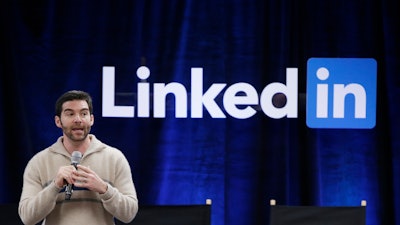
pixel 57 121
pixel 91 120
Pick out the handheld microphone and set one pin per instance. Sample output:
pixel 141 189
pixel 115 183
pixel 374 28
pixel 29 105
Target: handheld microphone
pixel 75 160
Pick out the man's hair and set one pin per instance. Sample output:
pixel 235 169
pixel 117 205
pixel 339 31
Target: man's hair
pixel 70 96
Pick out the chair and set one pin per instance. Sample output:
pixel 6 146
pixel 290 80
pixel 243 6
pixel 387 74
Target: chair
pixel 173 215
pixel 317 215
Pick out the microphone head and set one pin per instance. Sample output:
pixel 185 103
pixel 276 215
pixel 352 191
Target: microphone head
pixel 76 157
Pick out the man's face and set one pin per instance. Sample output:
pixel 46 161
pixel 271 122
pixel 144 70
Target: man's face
pixel 75 120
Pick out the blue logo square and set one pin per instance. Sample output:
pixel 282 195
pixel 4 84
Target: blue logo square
pixel 341 93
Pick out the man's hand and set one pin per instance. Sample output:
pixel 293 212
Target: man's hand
pixel 64 176
pixel 86 178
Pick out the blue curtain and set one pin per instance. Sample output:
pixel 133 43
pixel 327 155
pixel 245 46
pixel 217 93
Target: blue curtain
pixel 49 47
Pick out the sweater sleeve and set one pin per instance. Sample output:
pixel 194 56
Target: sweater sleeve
pixel 36 202
pixel 120 199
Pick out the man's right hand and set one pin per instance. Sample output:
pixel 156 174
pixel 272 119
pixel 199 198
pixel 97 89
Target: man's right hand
pixel 64 176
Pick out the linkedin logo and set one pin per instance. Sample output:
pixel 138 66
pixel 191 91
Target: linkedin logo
pixel 341 93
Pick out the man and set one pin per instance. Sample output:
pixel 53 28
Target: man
pixel 102 182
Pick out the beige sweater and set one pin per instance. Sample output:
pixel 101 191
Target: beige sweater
pixel 42 200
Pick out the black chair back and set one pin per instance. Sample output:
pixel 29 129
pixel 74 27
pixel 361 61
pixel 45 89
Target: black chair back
pixel 172 215
pixel 317 215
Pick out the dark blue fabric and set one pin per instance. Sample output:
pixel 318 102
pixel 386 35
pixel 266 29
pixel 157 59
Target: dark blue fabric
pixel 49 47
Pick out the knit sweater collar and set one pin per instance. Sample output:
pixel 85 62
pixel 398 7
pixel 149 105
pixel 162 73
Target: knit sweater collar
pixel 59 148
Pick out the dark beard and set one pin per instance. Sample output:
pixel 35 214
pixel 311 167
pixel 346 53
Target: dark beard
pixel 71 136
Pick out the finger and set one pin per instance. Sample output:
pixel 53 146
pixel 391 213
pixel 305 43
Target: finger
pixel 84 168
pixel 79 181
pixel 81 174
pixel 85 180
pixel 69 180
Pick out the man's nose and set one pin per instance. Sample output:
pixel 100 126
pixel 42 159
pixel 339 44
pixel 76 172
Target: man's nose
pixel 78 119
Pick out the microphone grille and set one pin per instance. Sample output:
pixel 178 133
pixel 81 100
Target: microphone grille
pixel 76 157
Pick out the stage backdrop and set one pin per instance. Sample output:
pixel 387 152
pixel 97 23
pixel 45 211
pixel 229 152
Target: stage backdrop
pixel 191 153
